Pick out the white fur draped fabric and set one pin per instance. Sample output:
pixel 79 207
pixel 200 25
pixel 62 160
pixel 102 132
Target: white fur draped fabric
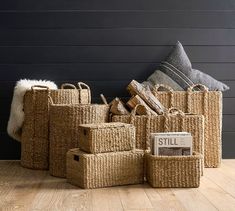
pixel 16 118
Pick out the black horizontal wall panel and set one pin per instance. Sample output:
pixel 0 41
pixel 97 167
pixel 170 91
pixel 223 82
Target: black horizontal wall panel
pixel 108 43
pixel 118 5
pixel 107 71
pixel 116 36
pixel 71 54
pixel 117 19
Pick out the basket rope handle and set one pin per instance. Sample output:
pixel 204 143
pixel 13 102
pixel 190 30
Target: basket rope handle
pixel 82 86
pixel 165 87
pixel 168 89
pixel 173 111
pixel 201 87
pixel 63 86
pixel 39 86
pixel 50 100
pixel 104 99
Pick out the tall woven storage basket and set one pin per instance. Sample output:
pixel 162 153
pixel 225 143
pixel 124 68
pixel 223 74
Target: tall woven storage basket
pixel 172 121
pixel 105 169
pixel 64 134
pixel 174 171
pixel 35 135
pixel 207 103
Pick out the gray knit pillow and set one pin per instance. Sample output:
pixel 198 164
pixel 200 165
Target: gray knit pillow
pixel 178 66
pixel 158 77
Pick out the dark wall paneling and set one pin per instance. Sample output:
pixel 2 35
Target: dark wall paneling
pixel 116 36
pixel 117 19
pixel 108 43
pixel 21 5
pixel 118 5
pixel 74 54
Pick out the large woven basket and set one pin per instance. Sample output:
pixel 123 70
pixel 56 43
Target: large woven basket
pixel 174 171
pixel 64 133
pixel 172 121
pixel 105 169
pixel 207 103
pixel 35 135
pixel 106 137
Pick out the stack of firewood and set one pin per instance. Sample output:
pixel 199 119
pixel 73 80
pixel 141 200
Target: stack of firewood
pixel 140 95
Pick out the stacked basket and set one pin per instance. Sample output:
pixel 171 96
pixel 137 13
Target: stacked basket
pixel 107 157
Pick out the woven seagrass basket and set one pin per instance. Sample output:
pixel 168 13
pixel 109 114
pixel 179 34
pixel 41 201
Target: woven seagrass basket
pixel 106 137
pixel 172 121
pixel 174 171
pixel 35 135
pixel 64 133
pixel 105 169
pixel 207 103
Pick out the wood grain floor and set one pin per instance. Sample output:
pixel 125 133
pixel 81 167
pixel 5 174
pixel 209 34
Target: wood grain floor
pixel 24 189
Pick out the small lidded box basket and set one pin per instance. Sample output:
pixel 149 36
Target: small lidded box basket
pixel 174 171
pixel 106 137
pixel 105 169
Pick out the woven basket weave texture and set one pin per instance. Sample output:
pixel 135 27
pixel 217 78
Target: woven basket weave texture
pixel 207 103
pixel 174 171
pixel 106 137
pixel 145 125
pixel 105 169
pixel 64 133
pixel 35 135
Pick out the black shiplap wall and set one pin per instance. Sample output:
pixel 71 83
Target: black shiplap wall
pixel 107 43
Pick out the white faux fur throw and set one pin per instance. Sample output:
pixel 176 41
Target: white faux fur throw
pixel 16 118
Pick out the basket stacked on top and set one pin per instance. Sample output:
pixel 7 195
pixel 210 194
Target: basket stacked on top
pixel 107 157
pixel 64 130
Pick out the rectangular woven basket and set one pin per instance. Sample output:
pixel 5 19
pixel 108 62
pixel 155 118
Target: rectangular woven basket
pixel 106 137
pixel 64 134
pixel 170 122
pixel 35 133
pixel 105 169
pixel 207 103
pixel 174 171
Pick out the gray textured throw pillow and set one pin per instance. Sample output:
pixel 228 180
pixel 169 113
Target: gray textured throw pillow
pixel 178 66
pixel 158 77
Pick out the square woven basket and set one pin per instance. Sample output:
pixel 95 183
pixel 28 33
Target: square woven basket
pixel 105 169
pixel 106 137
pixel 174 171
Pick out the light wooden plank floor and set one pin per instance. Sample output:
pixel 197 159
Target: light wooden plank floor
pixel 24 189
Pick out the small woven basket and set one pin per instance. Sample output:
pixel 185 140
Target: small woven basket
pixel 64 133
pixel 204 102
pixel 106 137
pixel 174 171
pixel 35 135
pixel 105 169
pixel 172 121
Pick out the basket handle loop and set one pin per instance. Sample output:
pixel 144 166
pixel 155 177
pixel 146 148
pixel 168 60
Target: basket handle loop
pixel 50 100
pixel 39 86
pixel 68 85
pixel 165 88
pixel 200 87
pixel 175 111
pixel 104 99
pixel 157 87
pixel 82 86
